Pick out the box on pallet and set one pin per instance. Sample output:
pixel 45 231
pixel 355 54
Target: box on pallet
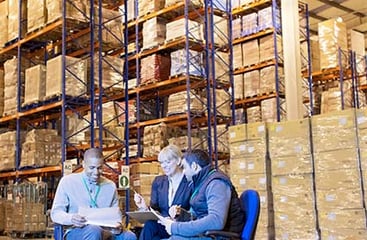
pixel 13 19
pixel 332 37
pixel 36 14
pixel 75 77
pixel 3 22
pixel 35 84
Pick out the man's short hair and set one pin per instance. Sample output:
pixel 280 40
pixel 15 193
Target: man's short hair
pixel 198 156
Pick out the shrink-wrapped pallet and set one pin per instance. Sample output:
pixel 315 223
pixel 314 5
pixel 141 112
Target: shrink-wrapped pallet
pixel 154 68
pixel 155 138
pixel 73 11
pixel 314 57
pixel 356 43
pixel 249 24
pixel 222 67
pixel 35 84
pixel 265 18
pixel 220 32
pixel 149 6
pixel 36 14
pixel 7 146
pixel 268 79
pixel 237 56
pixel 267 47
pixel 42 147
pixel 238 86
pixel 180 62
pixel 180 103
pixel 146 111
pixel 250 52
pixel 112 71
pixel 253 114
pixel 236 27
pixel 75 77
pixel 112 29
pixel 1 92
pixel 13 19
pixel 3 22
pixel 251 83
pixel 331 99
pixel 11 84
pixel 154 32
pixel 269 110
pixel 332 37
pixel 222 101
pixel 176 29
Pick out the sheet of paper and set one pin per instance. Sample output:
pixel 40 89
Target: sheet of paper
pixel 159 216
pixel 105 217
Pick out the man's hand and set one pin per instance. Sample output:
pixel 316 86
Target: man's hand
pixel 78 221
pixel 139 201
pixel 166 222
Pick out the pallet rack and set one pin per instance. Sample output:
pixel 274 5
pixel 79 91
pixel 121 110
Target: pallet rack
pixel 276 61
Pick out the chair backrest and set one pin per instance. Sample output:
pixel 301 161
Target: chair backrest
pixel 250 203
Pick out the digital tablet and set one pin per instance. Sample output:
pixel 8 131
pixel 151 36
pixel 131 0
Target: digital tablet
pixel 142 216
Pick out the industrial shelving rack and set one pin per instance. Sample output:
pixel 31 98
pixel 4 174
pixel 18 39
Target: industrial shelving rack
pixel 185 81
pixel 277 61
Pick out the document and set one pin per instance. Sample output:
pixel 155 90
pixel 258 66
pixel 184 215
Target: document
pixel 105 217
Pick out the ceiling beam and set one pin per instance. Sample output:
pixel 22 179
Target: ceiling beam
pixel 343 8
pixel 314 15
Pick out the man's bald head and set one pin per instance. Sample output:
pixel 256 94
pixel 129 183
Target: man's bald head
pixel 93 164
pixel 93 153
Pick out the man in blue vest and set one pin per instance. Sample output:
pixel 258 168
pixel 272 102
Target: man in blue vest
pixel 214 203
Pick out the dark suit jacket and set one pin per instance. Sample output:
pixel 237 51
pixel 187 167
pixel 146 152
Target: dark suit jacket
pixel 159 195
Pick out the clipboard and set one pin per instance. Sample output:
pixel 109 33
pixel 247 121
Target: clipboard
pixel 142 216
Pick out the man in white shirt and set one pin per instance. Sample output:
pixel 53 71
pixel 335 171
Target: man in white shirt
pixel 88 189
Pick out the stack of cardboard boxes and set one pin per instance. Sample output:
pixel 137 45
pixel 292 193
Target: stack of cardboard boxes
pixel 249 169
pixel 292 180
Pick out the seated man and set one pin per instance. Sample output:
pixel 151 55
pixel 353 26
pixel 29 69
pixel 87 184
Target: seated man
pixel 88 189
pixel 214 203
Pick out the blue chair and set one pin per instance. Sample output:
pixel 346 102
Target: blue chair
pixel 58 232
pixel 250 203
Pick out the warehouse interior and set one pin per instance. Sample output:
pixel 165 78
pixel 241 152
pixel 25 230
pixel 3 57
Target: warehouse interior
pixel 273 90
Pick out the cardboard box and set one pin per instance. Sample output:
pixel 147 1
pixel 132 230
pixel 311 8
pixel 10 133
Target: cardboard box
pixel 343 218
pixel 13 19
pixel 250 148
pixel 253 114
pixel 238 86
pixel 251 83
pixel 338 179
pixel 343 233
pixel 247 165
pixel 36 14
pixel 346 198
pixel 336 159
pixel 250 181
pixel 75 77
pixel 332 36
pixel 3 22
pixel 35 84
pixel 176 29
pixel 296 164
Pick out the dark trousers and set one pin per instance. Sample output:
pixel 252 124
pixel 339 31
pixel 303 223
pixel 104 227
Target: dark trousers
pixel 152 230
